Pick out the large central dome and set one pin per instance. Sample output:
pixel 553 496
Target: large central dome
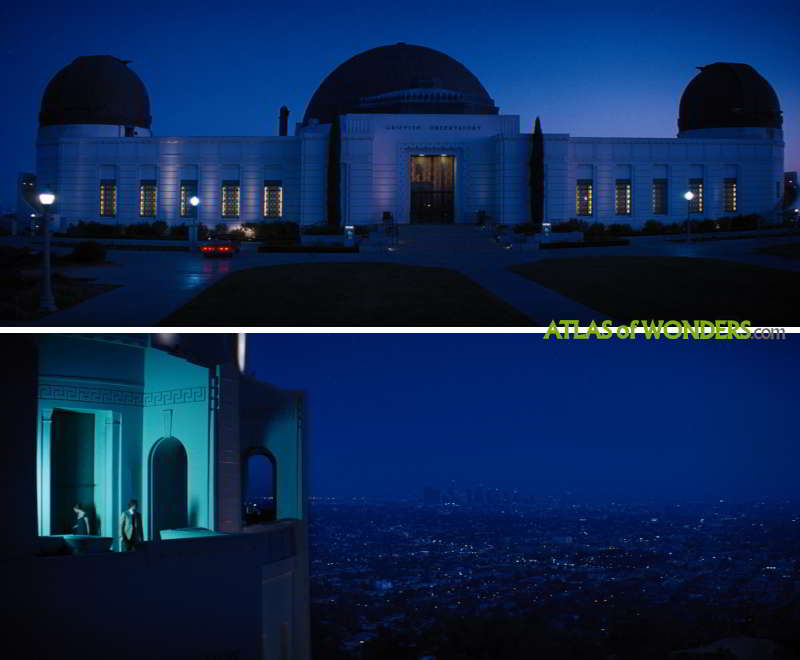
pixel 399 79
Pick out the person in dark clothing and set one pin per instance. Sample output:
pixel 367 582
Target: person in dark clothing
pixel 130 527
pixel 81 525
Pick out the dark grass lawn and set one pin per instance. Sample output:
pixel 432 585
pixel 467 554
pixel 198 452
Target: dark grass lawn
pixel 664 288
pixel 346 294
pixel 20 286
pixel 788 250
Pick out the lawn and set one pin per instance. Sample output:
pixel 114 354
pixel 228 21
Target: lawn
pixel 788 250
pixel 20 286
pixel 346 294
pixel 664 288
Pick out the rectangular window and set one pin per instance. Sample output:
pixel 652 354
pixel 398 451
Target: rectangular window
pixel 273 199
pixel 108 198
pixel 730 195
pixel 583 197
pixel 188 190
pixel 659 196
pixel 230 199
pixel 623 197
pixel 696 187
pixel 147 198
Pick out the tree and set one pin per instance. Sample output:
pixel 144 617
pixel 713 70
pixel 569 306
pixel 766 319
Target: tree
pixel 334 174
pixel 537 176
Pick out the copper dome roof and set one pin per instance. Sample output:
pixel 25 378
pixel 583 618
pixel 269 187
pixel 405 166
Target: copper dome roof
pixel 726 95
pixel 399 79
pixel 96 89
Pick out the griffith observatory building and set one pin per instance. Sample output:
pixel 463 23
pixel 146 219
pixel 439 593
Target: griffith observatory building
pixel 414 134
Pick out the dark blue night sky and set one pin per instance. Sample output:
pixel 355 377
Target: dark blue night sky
pixel 391 414
pixel 589 69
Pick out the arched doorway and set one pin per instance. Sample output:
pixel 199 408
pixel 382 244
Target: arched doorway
pixel 259 497
pixel 169 495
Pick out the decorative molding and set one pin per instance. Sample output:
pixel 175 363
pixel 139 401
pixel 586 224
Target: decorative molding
pixel 81 394
pixel 104 395
pixel 171 397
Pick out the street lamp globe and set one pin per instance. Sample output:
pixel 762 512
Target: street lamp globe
pixel 194 200
pixel 688 196
pixel 47 198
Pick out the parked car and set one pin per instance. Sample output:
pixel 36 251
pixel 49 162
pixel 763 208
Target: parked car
pixel 219 248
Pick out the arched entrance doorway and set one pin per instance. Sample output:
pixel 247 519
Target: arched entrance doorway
pixel 169 496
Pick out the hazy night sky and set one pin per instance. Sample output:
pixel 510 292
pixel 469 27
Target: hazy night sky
pixel 393 413
pixel 589 69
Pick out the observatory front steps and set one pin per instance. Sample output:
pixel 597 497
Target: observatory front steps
pixel 454 238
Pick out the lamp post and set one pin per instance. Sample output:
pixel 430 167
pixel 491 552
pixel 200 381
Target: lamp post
pixel 688 196
pixel 47 302
pixel 194 200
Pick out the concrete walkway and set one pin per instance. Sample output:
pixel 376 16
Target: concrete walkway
pixel 153 284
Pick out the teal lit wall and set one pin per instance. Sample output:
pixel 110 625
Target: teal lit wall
pixel 178 408
pixel 134 397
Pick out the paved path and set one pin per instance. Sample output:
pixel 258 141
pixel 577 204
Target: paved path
pixel 153 284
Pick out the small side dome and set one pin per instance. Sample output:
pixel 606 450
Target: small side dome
pixel 96 89
pixel 729 95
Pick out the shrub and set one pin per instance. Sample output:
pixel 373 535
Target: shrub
pixel 322 230
pixel 595 229
pixel 704 226
pixel 88 252
pixel 573 224
pixel 653 227
pixel 619 229
pixel 744 222
pixel 180 232
pixel 93 230
pixel 527 228
pixel 157 229
pixel 283 232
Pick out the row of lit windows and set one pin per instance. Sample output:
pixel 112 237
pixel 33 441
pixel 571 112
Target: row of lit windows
pixel 230 206
pixel 623 196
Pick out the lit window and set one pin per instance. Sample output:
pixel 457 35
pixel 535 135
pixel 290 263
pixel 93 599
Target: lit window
pixel 730 195
pixel 623 197
pixel 660 196
pixel 696 186
pixel 583 197
pixel 147 198
pixel 230 199
pixel 108 198
pixel 273 199
pixel 188 190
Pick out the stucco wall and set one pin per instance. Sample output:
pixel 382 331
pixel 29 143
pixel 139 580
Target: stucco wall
pixel 491 170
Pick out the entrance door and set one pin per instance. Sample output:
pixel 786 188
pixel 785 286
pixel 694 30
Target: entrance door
pixel 432 189
pixel 71 469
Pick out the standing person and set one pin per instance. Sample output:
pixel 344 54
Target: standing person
pixel 81 525
pixel 130 527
